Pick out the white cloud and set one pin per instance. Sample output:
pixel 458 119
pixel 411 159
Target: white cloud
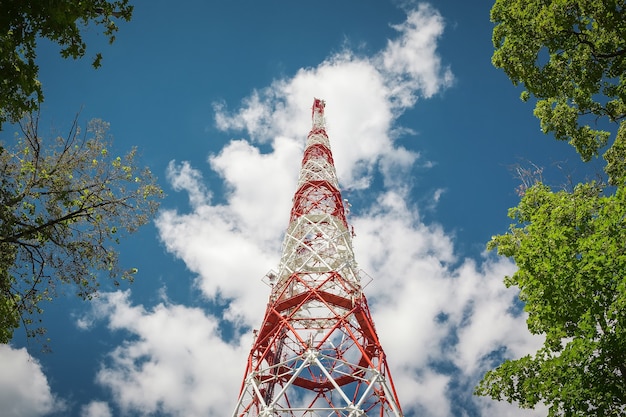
pixel 253 177
pixel 424 394
pixel 24 389
pixel 358 114
pixel 364 96
pixel 411 61
pixel 96 409
pixel 176 362
pixel 434 312
pixel 184 177
pixel 432 315
pixel 228 257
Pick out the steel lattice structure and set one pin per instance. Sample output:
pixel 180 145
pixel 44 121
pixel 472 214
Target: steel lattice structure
pixel 317 353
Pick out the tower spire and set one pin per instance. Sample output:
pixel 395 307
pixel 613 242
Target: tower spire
pixel 317 353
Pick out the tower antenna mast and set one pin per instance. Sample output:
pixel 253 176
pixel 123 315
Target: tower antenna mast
pixel 317 353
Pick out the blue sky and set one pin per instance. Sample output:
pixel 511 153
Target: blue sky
pixel 217 96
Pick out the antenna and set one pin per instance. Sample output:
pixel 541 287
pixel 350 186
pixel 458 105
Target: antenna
pixel 317 353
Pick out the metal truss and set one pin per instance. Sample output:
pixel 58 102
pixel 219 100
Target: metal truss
pixel 317 353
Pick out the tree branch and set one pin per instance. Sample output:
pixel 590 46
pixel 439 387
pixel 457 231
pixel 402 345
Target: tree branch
pixel 582 39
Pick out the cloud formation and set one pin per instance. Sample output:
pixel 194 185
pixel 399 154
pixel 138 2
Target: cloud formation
pixel 96 409
pixel 175 363
pixel 440 318
pixel 24 388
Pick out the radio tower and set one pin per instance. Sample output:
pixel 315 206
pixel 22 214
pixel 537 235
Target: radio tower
pixel 317 353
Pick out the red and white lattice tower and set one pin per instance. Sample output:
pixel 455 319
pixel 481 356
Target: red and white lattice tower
pixel 317 353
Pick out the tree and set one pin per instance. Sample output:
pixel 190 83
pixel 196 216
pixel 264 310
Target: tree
pixel 24 22
pixel 571 257
pixel 63 203
pixel 571 56
pixel 568 245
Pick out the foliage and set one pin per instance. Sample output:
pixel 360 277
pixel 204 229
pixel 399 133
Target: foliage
pixel 568 245
pixel 569 248
pixel 24 22
pixel 571 56
pixel 63 202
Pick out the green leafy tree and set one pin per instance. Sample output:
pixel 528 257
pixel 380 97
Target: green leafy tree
pixel 571 256
pixel 24 22
pixel 569 245
pixel 571 56
pixel 63 203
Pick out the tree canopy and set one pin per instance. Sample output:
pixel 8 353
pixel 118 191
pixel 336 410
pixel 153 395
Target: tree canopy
pixel 571 56
pixel 571 257
pixel 64 201
pixel 24 22
pixel 569 245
